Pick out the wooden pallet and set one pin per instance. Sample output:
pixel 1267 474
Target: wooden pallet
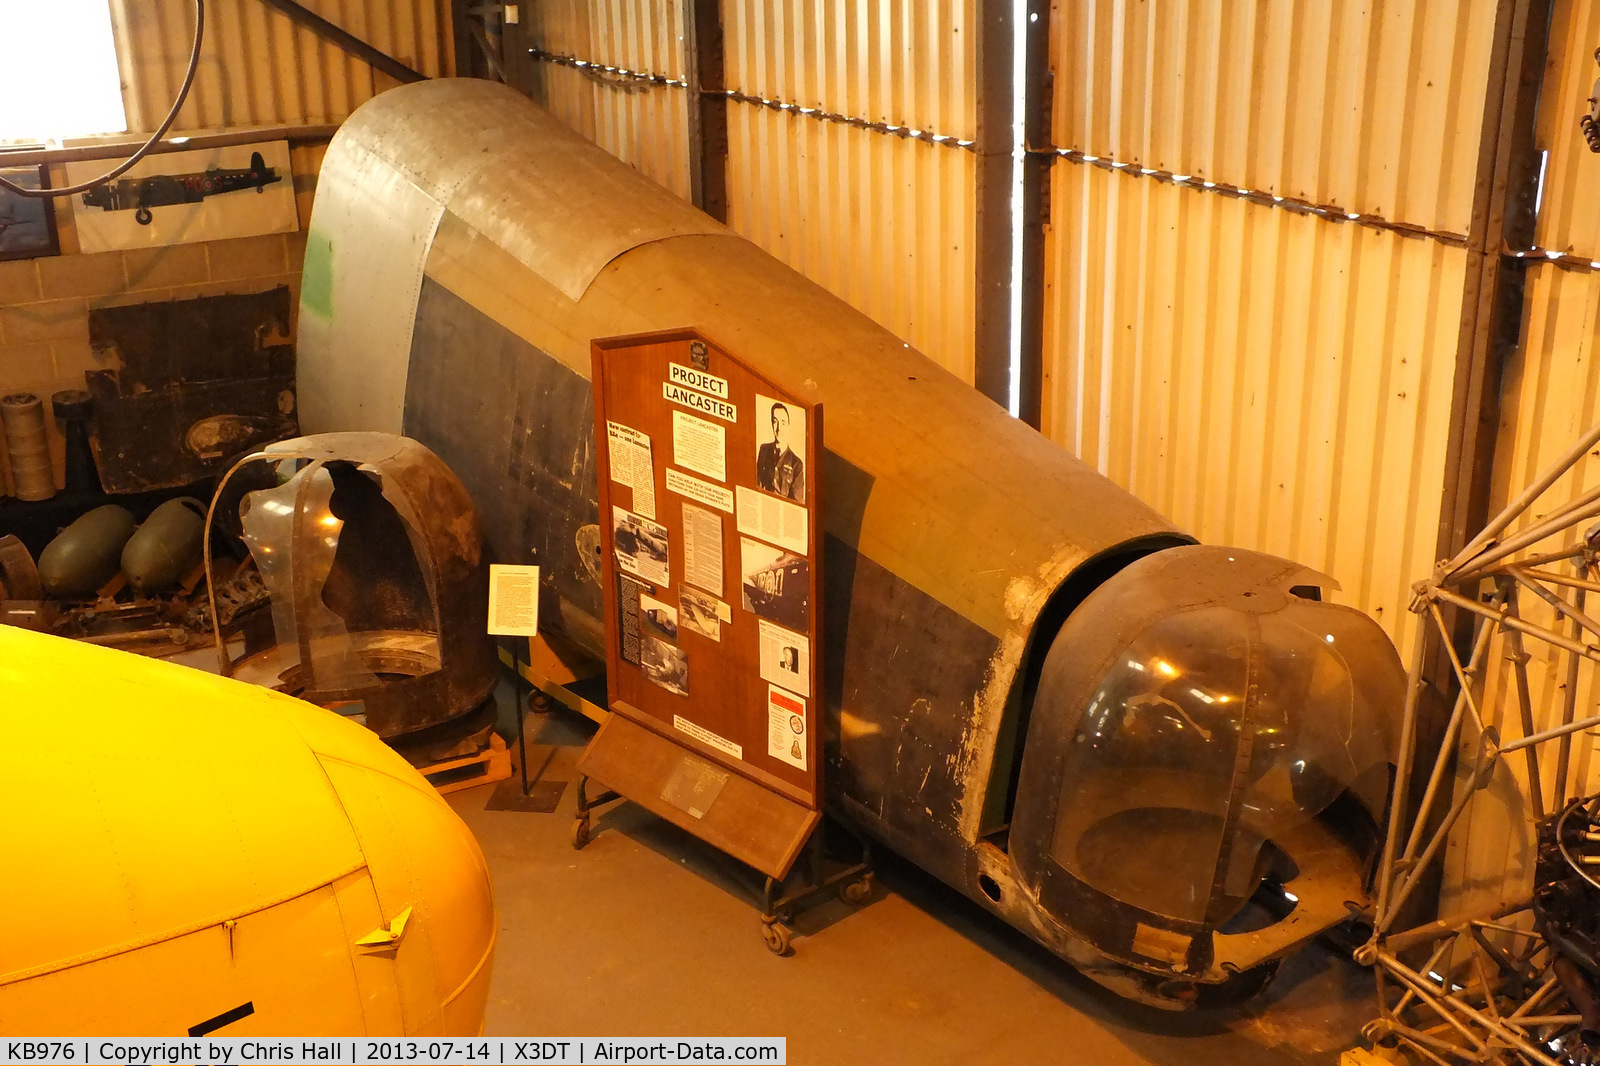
pixel 469 771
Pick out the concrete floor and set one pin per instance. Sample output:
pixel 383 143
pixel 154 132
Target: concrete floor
pixel 649 932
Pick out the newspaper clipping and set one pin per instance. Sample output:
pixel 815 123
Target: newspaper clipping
pixel 641 546
pixel 772 519
pixel 631 465
pixel 660 620
pixel 666 665
pixel 785 658
pixel 702 548
pixel 702 491
pixel 513 600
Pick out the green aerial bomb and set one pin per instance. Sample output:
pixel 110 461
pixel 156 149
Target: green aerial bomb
pixel 86 554
pixel 166 547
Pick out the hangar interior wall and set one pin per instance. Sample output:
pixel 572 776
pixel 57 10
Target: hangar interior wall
pixel 257 70
pixel 1254 258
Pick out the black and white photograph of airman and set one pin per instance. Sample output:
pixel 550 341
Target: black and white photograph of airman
pixel 781 448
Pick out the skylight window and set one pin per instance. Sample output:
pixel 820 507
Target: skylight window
pixel 58 73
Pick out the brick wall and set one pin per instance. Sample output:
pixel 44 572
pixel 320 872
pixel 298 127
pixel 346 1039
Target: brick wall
pixel 45 303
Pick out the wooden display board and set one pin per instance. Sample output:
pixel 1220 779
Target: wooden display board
pixel 710 518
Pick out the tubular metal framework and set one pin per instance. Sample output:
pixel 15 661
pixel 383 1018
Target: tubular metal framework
pixel 1499 985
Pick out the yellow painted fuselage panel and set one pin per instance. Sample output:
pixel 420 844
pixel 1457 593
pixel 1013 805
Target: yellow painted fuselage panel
pixel 178 845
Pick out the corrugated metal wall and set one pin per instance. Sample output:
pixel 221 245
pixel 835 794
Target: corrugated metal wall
pixel 257 68
pixel 1375 107
pixel 1267 378
pixel 646 125
pixel 885 222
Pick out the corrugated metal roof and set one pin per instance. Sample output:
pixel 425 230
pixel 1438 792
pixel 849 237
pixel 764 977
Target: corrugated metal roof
pixel 1265 379
pixel 884 222
pixel 1375 107
pixel 258 68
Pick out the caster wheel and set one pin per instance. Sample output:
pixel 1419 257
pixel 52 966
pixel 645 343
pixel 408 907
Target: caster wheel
pixel 857 892
pixel 143 216
pixel 539 703
pixel 776 937
pixel 580 833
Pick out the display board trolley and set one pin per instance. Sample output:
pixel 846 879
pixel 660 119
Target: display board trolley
pixel 711 534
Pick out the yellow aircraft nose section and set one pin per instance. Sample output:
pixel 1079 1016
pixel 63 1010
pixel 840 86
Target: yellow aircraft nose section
pixel 195 848
pixel 426 866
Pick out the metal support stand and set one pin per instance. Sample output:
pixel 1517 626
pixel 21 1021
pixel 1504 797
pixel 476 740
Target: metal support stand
pixel 519 697
pixel 581 825
pixel 536 703
pixel 808 885
pixel 851 881
pixel 522 736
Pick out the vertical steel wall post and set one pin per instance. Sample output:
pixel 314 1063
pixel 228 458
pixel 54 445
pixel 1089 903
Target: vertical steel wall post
pixel 708 108
pixel 1491 306
pixel 991 349
pixel 1038 168
pixel 1491 326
